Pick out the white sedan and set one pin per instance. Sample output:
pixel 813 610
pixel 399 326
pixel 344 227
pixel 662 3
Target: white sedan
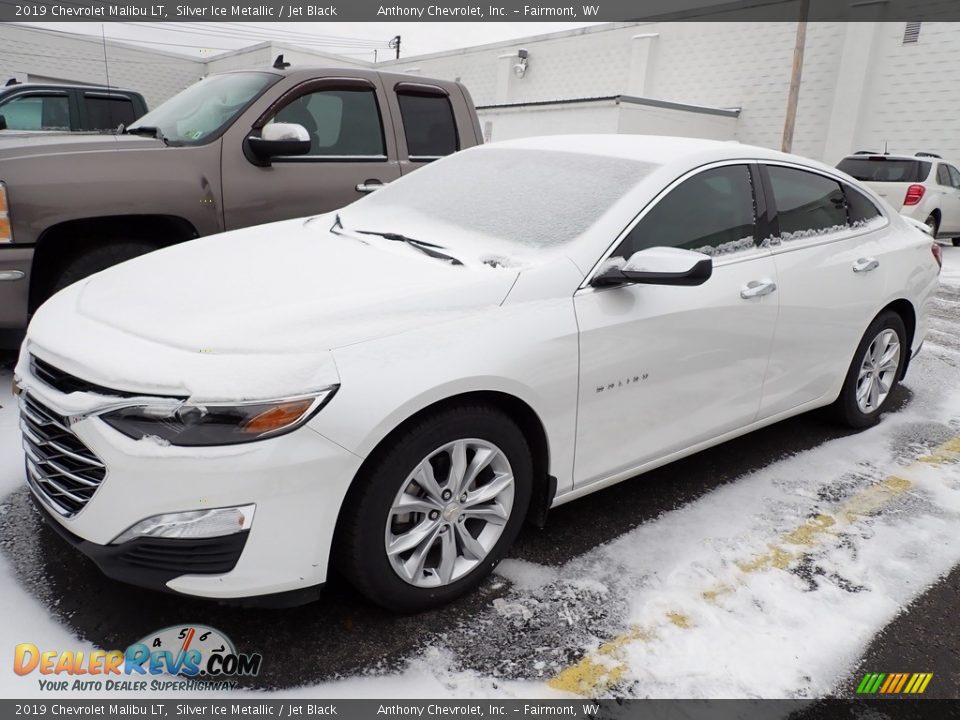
pixel 394 389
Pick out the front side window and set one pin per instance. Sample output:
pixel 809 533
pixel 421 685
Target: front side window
pixel 200 112
pixel 712 212
pixel 106 113
pixel 428 125
pixel 807 204
pixel 37 112
pixel 340 122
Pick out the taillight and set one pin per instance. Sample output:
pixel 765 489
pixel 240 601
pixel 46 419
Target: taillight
pixel 937 254
pixel 914 194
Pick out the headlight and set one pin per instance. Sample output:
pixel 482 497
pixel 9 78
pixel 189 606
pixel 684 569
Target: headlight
pixel 6 231
pixel 199 425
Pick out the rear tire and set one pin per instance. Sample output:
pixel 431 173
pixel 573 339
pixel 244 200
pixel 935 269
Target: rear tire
pixel 371 529
pixel 874 372
pixel 97 259
pixel 933 222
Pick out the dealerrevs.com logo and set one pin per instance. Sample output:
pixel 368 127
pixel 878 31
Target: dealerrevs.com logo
pixel 180 657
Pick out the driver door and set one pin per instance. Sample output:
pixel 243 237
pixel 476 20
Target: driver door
pixel 350 153
pixel 663 368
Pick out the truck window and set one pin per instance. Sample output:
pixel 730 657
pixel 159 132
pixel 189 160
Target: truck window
pixel 340 122
pixel 428 125
pixel 37 111
pixel 105 112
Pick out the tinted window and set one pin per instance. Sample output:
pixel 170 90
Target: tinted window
pixel 879 168
pixel 859 207
pixel 106 113
pixel 943 175
pixel 37 112
pixel 428 124
pixel 339 122
pixel 712 213
pixel 954 176
pixel 807 204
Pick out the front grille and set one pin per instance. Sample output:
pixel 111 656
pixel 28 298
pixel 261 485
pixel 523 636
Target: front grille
pixel 67 383
pixel 60 468
pixel 203 556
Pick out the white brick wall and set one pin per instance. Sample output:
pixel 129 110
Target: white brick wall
pixel 70 58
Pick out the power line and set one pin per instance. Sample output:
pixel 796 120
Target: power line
pixel 242 34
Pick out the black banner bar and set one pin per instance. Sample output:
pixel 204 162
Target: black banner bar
pixel 583 709
pixel 472 10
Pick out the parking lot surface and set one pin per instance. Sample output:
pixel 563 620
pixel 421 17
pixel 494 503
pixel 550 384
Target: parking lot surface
pixel 784 563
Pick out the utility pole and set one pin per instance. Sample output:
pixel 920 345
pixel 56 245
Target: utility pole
pixel 795 77
pixel 395 43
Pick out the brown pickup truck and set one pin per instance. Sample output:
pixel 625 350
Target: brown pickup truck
pixel 235 149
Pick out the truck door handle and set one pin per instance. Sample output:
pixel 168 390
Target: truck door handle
pixel 757 288
pixel 866 264
pixel 368 186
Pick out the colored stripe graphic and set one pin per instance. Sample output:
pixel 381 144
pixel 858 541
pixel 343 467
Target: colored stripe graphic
pixel 894 683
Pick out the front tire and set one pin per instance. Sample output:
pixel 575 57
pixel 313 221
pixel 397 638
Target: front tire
pixel 874 372
pixel 438 510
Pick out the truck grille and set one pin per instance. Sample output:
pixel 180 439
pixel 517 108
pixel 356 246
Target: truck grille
pixel 60 468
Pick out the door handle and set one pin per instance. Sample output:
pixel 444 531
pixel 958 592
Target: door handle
pixel 368 186
pixel 757 288
pixel 866 265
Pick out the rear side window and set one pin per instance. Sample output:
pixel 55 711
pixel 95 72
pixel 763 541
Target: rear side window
pixel 879 168
pixel 339 122
pixel 712 212
pixel 943 175
pixel 860 209
pixel 106 113
pixel 954 176
pixel 807 204
pixel 37 112
pixel 428 125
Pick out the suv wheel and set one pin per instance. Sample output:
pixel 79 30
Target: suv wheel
pixel 874 372
pixel 438 511
pixel 97 259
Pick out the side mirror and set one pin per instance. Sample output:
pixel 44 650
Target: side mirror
pixel 275 140
pixel 656 266
pixel 3 123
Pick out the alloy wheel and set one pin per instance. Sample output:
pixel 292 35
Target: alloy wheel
pixel 449 513
pixel 878 371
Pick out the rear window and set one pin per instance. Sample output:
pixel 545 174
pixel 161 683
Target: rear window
pixel 883 169
pixel 106 113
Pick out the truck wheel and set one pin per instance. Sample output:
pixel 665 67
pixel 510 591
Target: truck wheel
pixel 97 259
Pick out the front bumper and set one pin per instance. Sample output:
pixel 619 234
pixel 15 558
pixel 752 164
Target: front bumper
pixel 297 482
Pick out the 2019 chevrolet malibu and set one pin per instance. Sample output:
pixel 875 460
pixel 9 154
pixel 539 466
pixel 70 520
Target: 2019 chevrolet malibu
pixel 393 389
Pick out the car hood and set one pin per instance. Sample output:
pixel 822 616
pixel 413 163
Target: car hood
pixel 28 144
pixel 251 313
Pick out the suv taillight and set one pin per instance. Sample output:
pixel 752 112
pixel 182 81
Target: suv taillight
pixel 914 194
pixel 937 254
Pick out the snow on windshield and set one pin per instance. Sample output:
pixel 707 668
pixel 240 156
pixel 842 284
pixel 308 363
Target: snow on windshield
pixel 534 199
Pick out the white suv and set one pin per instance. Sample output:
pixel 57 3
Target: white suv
pixel 922 187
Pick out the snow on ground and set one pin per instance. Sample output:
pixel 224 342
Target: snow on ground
pixel 769 586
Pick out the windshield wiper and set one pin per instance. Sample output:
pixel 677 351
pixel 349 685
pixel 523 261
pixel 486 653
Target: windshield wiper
pixel 421 245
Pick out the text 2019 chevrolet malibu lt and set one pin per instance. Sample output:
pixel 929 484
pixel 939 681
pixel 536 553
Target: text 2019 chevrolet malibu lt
pixel 393 389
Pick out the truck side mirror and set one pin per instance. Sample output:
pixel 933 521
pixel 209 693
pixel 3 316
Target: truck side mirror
pixel 277 140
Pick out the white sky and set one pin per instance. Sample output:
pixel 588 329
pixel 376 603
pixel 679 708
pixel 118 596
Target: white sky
pixel 352 39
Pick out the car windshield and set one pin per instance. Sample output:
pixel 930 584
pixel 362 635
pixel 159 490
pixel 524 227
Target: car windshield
pixel 883 169
pixel 511 201
pixel 204 108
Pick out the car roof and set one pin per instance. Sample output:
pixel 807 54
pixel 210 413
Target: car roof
pixel 658 149
pixel 62 86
